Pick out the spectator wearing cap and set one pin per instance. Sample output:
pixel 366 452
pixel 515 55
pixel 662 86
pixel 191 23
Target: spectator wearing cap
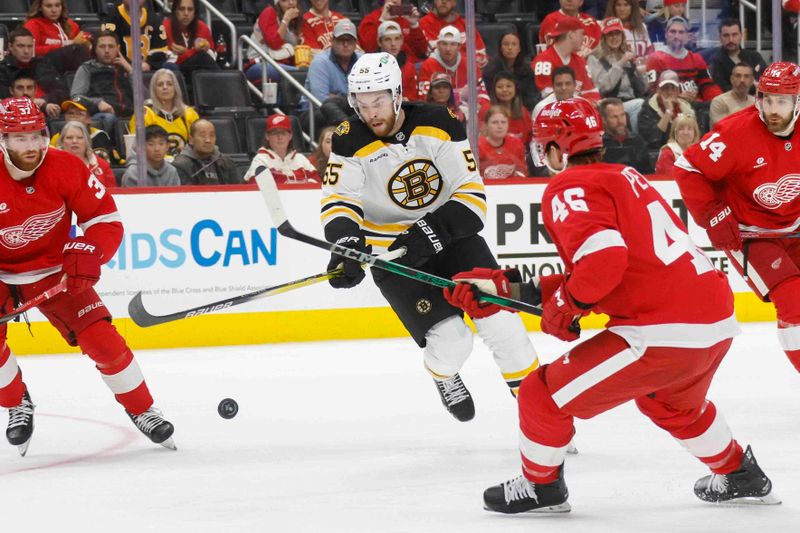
pixel 201 162
pixel 696 83
pixel 632 17
pixel 160 173
pixel 390 40
pixel 620 146
pixel 570 9
pixel 74 138
pixel 449 59
pixel 21 56
pixel 441 92
pixel 280 157
pixel 318 26
pixel 730 53
pixel 509 58
pixel 278 30
pixel 657 23
pixel 327 74
pixel 414 43
pixel 567 39
pixel 444 14
pixel 25 85
pixel 657 114
pixel 78 110
pixel 617 72
pixel 739 97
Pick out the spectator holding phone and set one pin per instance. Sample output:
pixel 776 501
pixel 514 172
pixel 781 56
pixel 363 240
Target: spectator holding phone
pixel 444 14
pixel 406 16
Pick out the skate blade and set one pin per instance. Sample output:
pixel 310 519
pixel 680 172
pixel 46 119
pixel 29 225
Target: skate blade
pixel 23 448
pixel 169 443
pixel 769 499
pixel 571 449
pixel 552 509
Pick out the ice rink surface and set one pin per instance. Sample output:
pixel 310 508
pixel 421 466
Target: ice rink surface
pixel 351 437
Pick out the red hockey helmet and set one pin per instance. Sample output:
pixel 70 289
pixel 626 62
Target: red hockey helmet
pixel 19 115
pixel 781 78
pixel 574 125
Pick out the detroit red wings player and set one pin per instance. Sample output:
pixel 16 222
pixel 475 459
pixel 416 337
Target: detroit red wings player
pixel 624 250
pixel 40 188
pixel 745 175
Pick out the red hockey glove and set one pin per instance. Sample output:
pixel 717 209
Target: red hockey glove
pixel 486 280
pixel 560 315
pixel 723 228
pixel 82 262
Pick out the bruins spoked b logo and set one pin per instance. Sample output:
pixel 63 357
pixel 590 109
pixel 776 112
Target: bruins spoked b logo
pixel 416 185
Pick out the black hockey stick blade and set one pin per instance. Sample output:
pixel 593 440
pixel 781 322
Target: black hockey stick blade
pixel 269 191
pixel 33 302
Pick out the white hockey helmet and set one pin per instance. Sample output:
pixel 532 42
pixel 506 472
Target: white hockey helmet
pixel 375 72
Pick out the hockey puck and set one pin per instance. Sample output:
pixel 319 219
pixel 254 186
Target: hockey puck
pixel 228 408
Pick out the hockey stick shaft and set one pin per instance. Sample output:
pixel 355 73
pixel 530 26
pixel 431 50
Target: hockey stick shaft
pixel 33 302
pixel 271 196
pixel 768 235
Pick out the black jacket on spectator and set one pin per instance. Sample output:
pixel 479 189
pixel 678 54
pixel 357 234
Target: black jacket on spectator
pixel 721 66
pixel 45 74
pixel 219 169
pixel 526 81
pixel 97 81
pixel 632 152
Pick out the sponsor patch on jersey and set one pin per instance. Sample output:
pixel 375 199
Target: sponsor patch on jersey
pixel 343 128
pixel 416 185
pixel 424 306
pixel 774 195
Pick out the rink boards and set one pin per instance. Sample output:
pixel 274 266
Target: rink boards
pixel 185 249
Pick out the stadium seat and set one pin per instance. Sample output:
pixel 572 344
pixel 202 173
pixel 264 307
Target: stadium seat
pixel 231 10
pixel 345 6
pixel 82 11
pixel 118 172
pixel 290 96
pixel 368 6
pixel 13 12
pixel 220 89
pixel 491 32
pixel 227 135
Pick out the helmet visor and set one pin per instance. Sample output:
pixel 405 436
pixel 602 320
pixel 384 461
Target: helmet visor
pixel 21 142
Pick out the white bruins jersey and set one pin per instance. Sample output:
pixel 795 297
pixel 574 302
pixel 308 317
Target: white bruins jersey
pixel 386 184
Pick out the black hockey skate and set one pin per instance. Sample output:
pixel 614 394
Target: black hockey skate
pixel 456 398
pixel 154 427
pixel 519 495
pixel 749 484
pixel 20 424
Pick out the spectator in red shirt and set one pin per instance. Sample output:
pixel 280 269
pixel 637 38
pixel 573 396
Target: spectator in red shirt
pixel 449 59
pixel 505 94
pixel 390 40
pixel 58 37
pixel 279 29
pixel 75 139
pixel 189 38
pixel 318 24
pixel 684 133
pixel 567 40
pixel 414 43
pixel 632 17
pixel 444 14
pixel 501 154
pixel 571 9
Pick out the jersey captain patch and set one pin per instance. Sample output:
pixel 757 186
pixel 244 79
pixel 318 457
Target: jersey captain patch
pixel 416 184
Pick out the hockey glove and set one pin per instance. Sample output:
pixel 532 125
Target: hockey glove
pixel 353 271
pixel 82 262
pixel 424 239
pixel 723 228
pixel 560 314
pixel 464 295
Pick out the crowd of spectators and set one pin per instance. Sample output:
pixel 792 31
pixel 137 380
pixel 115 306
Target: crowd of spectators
pixel 638 61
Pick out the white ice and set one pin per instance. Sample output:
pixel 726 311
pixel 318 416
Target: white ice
pixel 351 437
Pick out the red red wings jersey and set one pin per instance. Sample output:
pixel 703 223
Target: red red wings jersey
pixel 753 171
pixel 691 69
pixel 431 26
pixel 504 161
pixel 318 30
pixel 591 29
pixel 661 289
pixel 36 214
pixel 545 63
pixel 458 76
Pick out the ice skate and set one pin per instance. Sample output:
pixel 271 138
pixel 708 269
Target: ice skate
pixel 519 495
pixel 748 485
pixel 456 398
pixel 154 427
pixel 20 424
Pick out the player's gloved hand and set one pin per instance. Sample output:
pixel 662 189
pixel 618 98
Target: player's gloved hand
pixel 464 294
pixel 353 271
pixel 424 239
pixel 560 314
pixel 722 228
pixel 82 262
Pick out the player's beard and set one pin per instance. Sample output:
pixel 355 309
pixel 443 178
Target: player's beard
pixel 25 161
pixel 386 126
pixel 777 123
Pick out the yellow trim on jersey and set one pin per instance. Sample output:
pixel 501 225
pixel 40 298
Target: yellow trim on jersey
pixel 339 198
pixel 377 241
pixel 372 147
pixel 477 202
pixel 431 131
pixel 522 373
pixel 472 186
pixel 385 228
pixel 341 211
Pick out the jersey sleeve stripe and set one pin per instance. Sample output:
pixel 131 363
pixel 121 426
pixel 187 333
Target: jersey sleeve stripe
pixel 372 147
pixel 379 242
pixel 386 228
pixel 683 163
pixel 101 219
pixel 471 201
pixel 329 215
pixel 607 238
pixel 339 198
pixel 431 131
pixel 357 210
pixel 472 186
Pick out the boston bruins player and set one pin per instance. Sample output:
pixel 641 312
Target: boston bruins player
pixel 403 175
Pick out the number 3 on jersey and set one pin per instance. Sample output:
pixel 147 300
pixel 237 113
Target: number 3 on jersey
pixel 573 201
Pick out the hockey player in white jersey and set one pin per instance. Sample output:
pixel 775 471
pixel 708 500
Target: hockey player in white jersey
pixel 404 175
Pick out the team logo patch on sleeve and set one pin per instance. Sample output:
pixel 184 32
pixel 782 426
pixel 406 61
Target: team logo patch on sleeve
pixel 343 128
pixel 416 185
pixel 451 113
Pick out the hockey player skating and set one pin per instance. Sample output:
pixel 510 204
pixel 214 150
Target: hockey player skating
pixel 39 191
pixel 625 252
pixel 403 175
pixel 742 176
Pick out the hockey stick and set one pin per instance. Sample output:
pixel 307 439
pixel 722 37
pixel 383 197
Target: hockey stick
pixel 269 191
pixel 33 302
pixel 142 318
pixel 768 235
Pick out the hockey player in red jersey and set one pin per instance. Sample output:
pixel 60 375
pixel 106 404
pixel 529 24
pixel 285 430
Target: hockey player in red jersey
pixel 40 189
pixel 743 176
pixel 624 252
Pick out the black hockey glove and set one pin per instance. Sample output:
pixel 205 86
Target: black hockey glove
pixel 424 239
pixel 353 271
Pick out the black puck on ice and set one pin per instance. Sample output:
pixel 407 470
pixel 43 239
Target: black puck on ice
pixel 228 408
